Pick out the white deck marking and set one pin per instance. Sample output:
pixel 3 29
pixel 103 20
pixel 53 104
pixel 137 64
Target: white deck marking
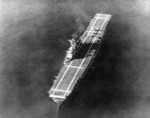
pixel 102 18
pixel 60 90
pixel 57 96
pixel 83 60
pixel 75 67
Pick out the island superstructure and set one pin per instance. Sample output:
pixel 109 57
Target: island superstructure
pixel 79 57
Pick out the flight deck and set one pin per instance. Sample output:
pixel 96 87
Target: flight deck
pixel 84 55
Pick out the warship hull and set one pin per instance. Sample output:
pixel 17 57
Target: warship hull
pixel 77 67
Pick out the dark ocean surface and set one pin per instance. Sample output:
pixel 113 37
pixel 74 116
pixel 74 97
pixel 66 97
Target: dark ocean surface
pixel 34 36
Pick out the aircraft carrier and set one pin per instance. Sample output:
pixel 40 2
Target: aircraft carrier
pixel 79 57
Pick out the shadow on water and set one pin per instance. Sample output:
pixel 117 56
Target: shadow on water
pixel 107 87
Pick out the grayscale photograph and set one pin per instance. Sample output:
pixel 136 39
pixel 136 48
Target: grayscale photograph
pixel 74 58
